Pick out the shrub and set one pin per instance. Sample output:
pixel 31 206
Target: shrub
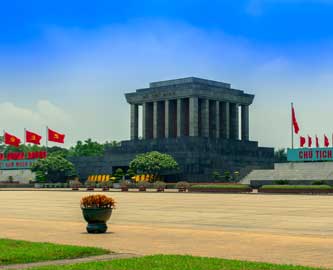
pixel 160 184
pixel 296 187
pixel 216 176
pixel 97 201
pixel 319 182
pixel 183 184
pixel 75 183
pixel 143 184
pixel 281 182
pixel 227 176
pixel 124 183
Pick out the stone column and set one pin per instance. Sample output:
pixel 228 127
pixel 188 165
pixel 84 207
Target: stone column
pixel 234 121
pixel 217 119
pixel 156 120
pixel 147 121
pixel 167 121
pixel 205 118
pixel 180 118
pixel 225 115
pixel 134 121
pixel 245 123
pixel 194 120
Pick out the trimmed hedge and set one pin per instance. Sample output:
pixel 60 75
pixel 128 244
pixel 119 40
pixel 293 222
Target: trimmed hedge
pixel 296 187
pixel 222 188
pixel 219 187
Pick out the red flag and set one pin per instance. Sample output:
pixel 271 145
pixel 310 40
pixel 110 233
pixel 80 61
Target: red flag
pixel 309 141
pixel 317 142
pixel 302 141
pixel 12 140
pixel 54 136
pixel 31 137
pixel 326 141
pixel 294 120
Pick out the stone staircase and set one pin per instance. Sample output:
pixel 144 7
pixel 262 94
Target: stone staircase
pixel 298 172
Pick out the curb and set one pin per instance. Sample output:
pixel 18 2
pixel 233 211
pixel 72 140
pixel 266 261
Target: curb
pixel 106 257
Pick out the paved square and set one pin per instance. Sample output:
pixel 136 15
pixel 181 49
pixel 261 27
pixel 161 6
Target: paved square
pixel 282 229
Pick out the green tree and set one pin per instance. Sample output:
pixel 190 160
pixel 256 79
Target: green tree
pixel 54 168
pixel 216 176
pixel 112 144
pixel 280 155
pixel 119 173
pixel 87 148
pixel 153 163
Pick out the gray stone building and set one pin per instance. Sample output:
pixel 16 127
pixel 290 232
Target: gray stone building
pixel 203 124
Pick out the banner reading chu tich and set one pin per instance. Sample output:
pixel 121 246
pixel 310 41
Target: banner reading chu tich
pixel 310 154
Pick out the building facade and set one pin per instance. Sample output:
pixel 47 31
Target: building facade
pixel 203 124
pixel 190 107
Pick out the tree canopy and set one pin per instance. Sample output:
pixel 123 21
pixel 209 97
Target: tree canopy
pixel 153 163
pixel 54 168
pixel 280 155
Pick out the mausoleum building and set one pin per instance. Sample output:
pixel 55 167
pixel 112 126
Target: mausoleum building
pixel 203 124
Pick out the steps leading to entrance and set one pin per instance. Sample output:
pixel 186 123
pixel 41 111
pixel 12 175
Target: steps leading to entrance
pixel 293 171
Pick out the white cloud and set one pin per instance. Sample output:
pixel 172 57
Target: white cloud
pixel 15 118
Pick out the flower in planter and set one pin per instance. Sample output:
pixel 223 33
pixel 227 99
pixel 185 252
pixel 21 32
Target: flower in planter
pixel 97 201
pixel 160 185
pixel 75 183
pixel 182 185
pixel 97 210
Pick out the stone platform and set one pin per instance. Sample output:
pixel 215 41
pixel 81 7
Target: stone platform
pixel 198 157
pixel 294 172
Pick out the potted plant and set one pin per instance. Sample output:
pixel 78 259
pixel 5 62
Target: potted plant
pixel 124 185
pixel 97 210
pixel 182 186
pixel 106 185
pixel 160 186
pixel 142 185
pixel 90 185
pixel 75 184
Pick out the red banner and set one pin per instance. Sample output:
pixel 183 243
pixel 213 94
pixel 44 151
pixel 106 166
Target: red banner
pixel 31 137
pixel 12 140
pixel 54 136
pixel 22 155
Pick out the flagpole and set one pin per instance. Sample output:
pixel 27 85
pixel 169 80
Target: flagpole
pixel 46 138
pixel 292 132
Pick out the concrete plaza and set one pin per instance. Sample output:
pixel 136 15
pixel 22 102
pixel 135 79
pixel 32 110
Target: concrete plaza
pixel 289 229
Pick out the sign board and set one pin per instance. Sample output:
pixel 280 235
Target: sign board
pixel 23 155
pixel 16 164
pixel 310 154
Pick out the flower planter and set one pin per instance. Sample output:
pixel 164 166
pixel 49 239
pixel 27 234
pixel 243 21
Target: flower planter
pixel 116 185
pixel 142 189
pixel 124 189
pixel 96 218
pixel 160 189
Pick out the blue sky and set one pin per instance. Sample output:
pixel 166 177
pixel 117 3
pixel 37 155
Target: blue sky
pixel 67 64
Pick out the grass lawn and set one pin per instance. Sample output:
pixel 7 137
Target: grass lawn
pixel 174 262
pixel 296 187
pixel 15 252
